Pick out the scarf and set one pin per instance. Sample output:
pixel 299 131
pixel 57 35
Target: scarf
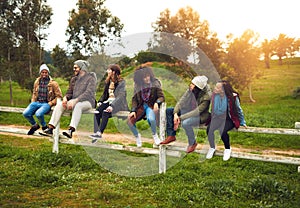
pixel 146 92
pixel 220 104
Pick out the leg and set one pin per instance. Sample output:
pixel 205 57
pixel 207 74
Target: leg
pixel 56 114
pixel 170 122
pixel 98 116
pixel 105 117
pixel 151 119
pixel 77 112
pixel 29 112
pixel 44 108
pixel 171 133
pixel 224 134
pixel 187 125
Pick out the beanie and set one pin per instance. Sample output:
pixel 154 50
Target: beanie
pixel 44 66
pixel 200 81
pixel 82 64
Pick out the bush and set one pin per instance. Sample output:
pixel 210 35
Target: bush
pixel 296 93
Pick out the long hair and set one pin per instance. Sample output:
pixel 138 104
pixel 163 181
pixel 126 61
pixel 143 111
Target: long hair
pixel 142 72
pixel 229 93
pixel 115 68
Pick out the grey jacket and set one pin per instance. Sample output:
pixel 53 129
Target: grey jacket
pixel 120 102
pixel 83 88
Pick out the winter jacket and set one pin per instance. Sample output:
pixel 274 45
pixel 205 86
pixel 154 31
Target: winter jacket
pixel 202 109
pixel 156 96
pixel 54 91
pixel 83 88
pixel 120 102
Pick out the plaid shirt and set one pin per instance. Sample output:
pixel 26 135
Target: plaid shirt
pixel 43 90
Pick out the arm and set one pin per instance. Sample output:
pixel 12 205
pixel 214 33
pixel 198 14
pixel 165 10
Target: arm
pixel 240 112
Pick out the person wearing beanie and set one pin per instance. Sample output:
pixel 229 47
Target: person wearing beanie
pixel 44 96
pixel 190 111
pixel 112 100
pixel 79 97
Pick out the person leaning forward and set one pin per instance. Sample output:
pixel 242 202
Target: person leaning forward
pixel 79 97
pixel 44 96
pixel 191 110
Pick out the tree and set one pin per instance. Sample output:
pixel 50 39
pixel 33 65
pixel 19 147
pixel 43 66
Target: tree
pixel 61 61
pixel 241 61
pixel 283 47
pixel 186 24
pixel 267 50
pixel 22 22
pixel 91 27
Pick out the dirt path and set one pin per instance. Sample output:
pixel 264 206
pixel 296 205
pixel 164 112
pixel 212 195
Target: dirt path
pixel 129 139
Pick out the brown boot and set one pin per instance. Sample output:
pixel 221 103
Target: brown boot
pixel 191 148
pixel 168 140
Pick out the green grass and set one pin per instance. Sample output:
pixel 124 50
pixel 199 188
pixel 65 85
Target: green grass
pixel 32 176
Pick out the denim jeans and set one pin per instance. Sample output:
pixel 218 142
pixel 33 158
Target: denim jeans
pixel 39 109
pixel 186 124
pixel 151 119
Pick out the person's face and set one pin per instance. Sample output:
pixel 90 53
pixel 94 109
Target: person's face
pixel 218 88
pixel 44 73
pixel 147 79
pixel 76 70
pixel 192 86
pixel 109 72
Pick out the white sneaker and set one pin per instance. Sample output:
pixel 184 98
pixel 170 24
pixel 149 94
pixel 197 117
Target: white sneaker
pixel 139 141
pixel 156 139
pixel 227 153
pixel 210 153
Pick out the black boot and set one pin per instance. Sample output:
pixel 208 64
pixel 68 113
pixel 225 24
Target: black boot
pixel 33 129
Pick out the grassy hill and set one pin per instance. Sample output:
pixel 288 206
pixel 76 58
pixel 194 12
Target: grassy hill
pixel 32 176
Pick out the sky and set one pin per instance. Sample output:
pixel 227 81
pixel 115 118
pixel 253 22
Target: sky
pixel 269 18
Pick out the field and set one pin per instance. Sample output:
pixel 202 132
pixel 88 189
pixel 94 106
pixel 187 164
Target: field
pixel 32 176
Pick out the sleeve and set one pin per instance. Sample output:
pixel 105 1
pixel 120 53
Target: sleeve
pixel 240 112
pixel 120 94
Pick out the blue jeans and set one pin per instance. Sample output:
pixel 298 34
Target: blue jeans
pixel 39 109
pixel 151 119
pixel 186 124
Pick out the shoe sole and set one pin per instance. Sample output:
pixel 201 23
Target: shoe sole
pixel 44 134
pixel 67 135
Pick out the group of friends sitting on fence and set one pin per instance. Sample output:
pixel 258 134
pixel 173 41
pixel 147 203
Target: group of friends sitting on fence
pixel 219 109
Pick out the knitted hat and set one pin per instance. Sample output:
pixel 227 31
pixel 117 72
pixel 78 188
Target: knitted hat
pixel 82 64
pixel 200 81
pixel 44 66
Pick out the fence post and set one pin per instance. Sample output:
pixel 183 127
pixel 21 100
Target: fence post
pixel 56 133
pixel 162 148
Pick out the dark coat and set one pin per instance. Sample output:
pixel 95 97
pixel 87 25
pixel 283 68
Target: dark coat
pixel 156 96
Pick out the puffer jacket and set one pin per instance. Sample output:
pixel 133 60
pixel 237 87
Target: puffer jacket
pixel 53 88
